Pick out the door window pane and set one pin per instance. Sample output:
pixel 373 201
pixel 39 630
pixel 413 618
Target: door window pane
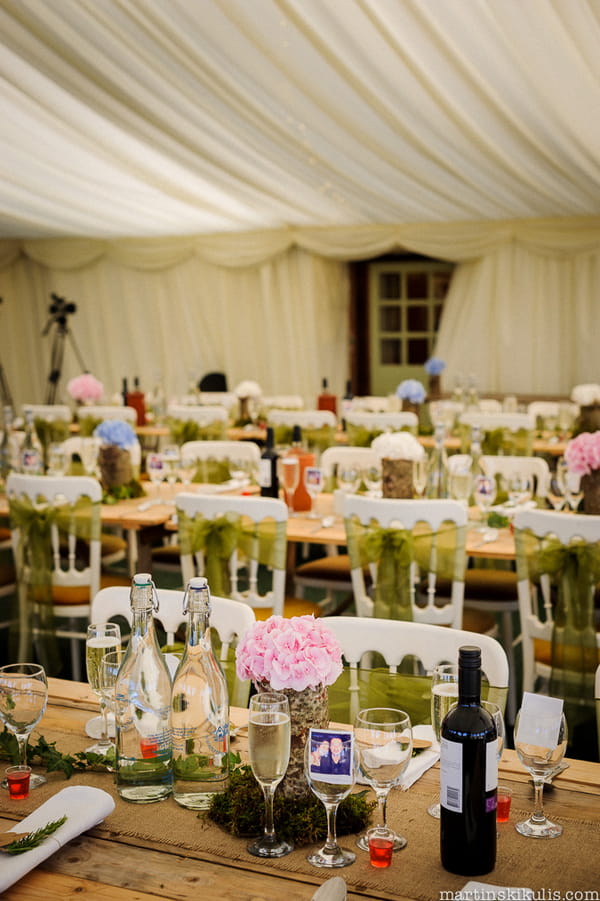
pixel 416 285
pixel 390 319
pixel 391 351
pixel 417 318
pixel 418 351
pixel 390 285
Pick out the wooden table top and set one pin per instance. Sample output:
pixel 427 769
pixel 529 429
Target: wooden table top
pixel 107 865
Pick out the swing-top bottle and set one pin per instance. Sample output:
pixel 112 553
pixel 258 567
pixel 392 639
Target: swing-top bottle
pixel 143 698
pixel 199 709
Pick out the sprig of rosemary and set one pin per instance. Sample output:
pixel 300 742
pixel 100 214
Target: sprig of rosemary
pixel 34 838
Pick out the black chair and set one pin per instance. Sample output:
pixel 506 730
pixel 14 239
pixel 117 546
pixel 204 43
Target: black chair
pixel 213 381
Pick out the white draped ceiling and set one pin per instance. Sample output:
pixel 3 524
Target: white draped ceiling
pixel 195 173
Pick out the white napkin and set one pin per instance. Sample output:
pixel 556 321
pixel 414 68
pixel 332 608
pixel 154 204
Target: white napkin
pixel 502 892
pixel 84 806
pixel 332 890
pixel 422 762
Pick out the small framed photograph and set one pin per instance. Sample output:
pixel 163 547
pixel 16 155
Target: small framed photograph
pixel 332 755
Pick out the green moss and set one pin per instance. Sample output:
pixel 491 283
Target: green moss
pixel 240 809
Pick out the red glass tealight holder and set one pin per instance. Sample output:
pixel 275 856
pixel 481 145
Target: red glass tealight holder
pixel 17 778
pixel 381 848
pixel 503 805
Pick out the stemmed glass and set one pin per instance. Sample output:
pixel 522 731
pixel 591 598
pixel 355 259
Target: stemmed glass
pixel 269 748
pixel 172 460
pixel 569 483
pixel 460 483
pixel 484 492
pixel 444 694
pixel 313 482
pixel 556 495
pixel 372 476
pixel 155 467
pixel 107 678
pixel 331 781
pixel 520 488
pixel 23 699
pixel 289 476
pixel 383 738
pixel 102 638
pixel 348 478
pixel 540 748
pixel 187 469
pixel 420 475
pixel 57 460
pixel 88 452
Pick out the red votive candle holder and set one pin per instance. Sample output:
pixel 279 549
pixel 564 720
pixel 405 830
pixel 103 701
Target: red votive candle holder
pixel 503 807
pixel 381 848
pixel 18 782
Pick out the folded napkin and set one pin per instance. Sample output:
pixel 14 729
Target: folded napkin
pixel 332 890
pixel 484 890
pixel 419 764
pixel 84 807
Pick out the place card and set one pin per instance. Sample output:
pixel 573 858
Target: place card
pixel 539 720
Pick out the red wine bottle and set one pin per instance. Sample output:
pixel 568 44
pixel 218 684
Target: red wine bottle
pixel 269 480
pixel 468 776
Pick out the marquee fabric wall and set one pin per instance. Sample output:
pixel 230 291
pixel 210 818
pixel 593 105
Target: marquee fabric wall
pixel 273 306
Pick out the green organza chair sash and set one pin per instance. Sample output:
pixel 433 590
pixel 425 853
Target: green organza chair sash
pixel 361 436
pixel 313 438
pixel 34 555
pixel 574 571
pixel 212 471
pixel 218 538
pixel 394 550
pixel 183 430
pixel 50 431
pixel 87 425
pixel 517 443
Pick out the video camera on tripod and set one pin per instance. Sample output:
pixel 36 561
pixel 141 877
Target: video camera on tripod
pixel 58 312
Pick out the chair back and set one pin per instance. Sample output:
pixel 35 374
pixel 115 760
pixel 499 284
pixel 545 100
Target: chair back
pixel 536 606
pixel 127 414
pixel 282 402
pixel 74 445
pixel 384 421
pixel 361 457
pixel 202 414
pixel 306 419
pixel 597 698
pixel 507 433
pixel 534 468
pixel 258 513
pixel 49 412
pixel 427 604
pixel 395 640
pixel 370 403
pixel 489 405
pixel 217 399
pixel 231 619
pixel 236 451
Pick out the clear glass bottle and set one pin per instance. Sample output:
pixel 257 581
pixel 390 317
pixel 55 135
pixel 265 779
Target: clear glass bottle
pixel 31 449
pixel 477 468
pixel 437 472
pixel 199 709
pixel 143 770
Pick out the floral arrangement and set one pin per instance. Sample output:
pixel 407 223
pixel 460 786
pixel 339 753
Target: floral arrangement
pixel 398 446
pixel 586 395
pixel 248 389
pixel 434 366
pixel 85 388
pixel 117 432
pixel 412 391
pixel 582 454
pixel 295 653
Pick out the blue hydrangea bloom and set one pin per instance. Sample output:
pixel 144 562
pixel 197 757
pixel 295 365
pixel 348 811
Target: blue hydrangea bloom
pixel 412 391
pixel 434 366
pixel 115 431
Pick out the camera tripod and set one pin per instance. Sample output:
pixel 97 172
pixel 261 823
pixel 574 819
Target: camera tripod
pixel 59 310
pixel 5 395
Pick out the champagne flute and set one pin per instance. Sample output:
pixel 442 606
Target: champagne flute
pixel 102 638
pixel 331 780
pixel 107 679
pixel 269 738
pixel 372 476
pixel 460 483
pixel 187 469
pixel 172 461
pixel 23 699
pixel 484 492
pixel 444 695
pixel 88 452
pixel 540 743
pixel 289 476
pixel 313 482
pixel 155 467
pixel 383 738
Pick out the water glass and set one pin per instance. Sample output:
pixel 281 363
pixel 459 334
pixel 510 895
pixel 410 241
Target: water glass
pixel 329 766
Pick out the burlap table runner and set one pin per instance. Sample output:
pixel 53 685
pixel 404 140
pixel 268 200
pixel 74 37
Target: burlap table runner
pixel 569 863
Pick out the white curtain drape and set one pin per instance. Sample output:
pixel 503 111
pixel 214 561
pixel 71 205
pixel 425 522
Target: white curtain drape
pixel 273 306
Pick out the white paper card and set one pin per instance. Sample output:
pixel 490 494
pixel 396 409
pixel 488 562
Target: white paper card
pixel 482 891
pixel 539 720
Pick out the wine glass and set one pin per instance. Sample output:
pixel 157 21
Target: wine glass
pixel 540 743
pixel 101 639
pixel 172 460
pixel 348 478
pixel 460 483
pixel 155 467
pixel 187 469
pixel 383 738
pixel 444 695
pixel 107 679
pixel 23 699
pixel 88 452
pixel 330 778
pixel 313 482
pixel 484 492
pixel 555 494
pixel 420 475
pixel 520 488
pixel 496 714
pixel 372 476
pixel 269 739
pixel 57 460
pixel 289 476
pixel 570 483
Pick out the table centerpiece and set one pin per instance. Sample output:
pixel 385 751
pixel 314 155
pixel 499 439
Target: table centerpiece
pixel 582 456
pixel 398 452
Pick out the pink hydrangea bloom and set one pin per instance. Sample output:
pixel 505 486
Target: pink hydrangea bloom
pixel 85 387
pixel 296 653
pixel 582 454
